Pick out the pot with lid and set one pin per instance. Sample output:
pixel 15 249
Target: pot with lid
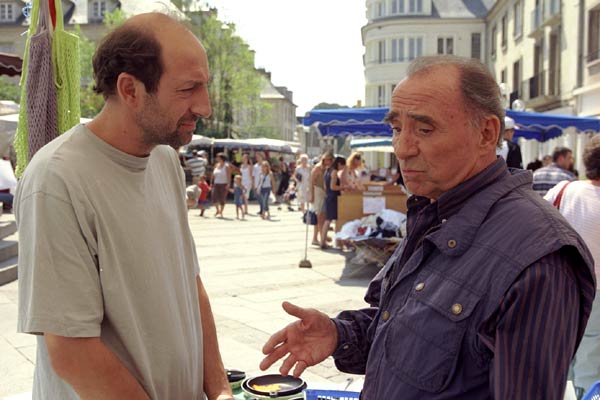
pixel 274 387
pixel 235 378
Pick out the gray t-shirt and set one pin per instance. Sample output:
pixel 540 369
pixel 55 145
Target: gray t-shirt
pixel 105 250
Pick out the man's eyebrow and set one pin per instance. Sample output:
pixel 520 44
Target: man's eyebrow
pixel 389 117
pixel 426 119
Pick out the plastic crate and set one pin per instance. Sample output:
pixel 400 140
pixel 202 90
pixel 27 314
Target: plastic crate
pixel 594 392
pixel 314 394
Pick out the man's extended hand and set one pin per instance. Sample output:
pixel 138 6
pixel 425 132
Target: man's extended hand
pixel 306 342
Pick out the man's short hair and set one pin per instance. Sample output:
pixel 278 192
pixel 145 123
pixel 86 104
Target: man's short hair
pixel 128 49
pixel 560 151
pixel 480 92
pixel 591 158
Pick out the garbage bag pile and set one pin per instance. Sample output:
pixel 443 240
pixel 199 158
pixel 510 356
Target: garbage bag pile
pixel 385 224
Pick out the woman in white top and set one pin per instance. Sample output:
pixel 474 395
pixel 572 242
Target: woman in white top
pixel 351 176
pixel 220 183
pixel 247 177
pixel 302 178
pixel 266 185
pixel 580 205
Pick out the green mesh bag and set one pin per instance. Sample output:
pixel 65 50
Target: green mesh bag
pixel 66 68
pixel 67 73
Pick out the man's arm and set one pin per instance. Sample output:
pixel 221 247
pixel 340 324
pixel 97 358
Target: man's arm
pixel 534 333
pixel 216 385
pixel 91 368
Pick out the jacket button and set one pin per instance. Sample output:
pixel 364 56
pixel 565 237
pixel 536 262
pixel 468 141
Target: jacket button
pixel 452 243
pixel 386 315
pixel 420 286
pixel 457 309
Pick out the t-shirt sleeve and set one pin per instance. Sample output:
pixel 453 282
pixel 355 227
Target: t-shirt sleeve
pixel 59 281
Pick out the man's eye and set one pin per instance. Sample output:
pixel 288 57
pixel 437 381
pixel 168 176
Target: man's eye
pixel 396 129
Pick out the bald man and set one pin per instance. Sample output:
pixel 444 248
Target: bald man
pixel 108 273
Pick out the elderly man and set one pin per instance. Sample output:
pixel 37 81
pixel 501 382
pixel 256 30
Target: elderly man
pixel 108 273
pixel 489 293
pixel 548 176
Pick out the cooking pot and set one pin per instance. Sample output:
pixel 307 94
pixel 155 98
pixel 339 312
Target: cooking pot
pixel 281 387
pixel 235 378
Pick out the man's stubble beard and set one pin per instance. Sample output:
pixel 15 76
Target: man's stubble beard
pixel 156 128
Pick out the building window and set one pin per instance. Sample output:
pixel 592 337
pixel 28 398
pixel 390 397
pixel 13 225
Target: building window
pixel 476 46
pixel 594 35
pixel 504 29
pixel 415 47
pixel 494 40
pixel 381 9
pixel 381 96
pixel 398 7
pixel 445 45
pixel 518 9
pixel 503 76
pixel 415 6
pixel 98 9
pixel 516 81
pixel 398 50
pixel 381 52
pixel 6 12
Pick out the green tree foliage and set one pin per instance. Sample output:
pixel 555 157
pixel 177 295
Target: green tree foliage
pixel 235 87
pixel 9 89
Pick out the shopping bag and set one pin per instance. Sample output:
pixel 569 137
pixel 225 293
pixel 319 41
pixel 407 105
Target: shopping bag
pixel 67 73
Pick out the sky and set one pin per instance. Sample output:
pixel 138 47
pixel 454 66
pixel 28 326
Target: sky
pixel 313 47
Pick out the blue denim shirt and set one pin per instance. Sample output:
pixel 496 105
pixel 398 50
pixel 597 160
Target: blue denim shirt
pixel 422 336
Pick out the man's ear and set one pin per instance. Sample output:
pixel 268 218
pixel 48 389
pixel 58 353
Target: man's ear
pixel 129 89
pixel 489 132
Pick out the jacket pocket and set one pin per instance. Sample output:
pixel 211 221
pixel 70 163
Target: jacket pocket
pixel 423 339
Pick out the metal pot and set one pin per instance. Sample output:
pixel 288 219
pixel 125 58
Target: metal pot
pixel 235 378
pixel 289 388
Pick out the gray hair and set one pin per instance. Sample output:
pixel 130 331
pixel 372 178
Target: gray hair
pixel 480 92
pixel 591 158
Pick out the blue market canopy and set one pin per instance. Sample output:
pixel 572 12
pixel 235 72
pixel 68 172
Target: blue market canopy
pixel 369 122
pixel 350 121
pixel 543 127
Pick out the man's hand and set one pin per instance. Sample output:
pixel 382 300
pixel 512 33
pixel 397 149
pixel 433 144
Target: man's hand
pixel 306 342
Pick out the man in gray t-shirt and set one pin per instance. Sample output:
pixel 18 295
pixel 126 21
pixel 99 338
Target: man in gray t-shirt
pixel 108 273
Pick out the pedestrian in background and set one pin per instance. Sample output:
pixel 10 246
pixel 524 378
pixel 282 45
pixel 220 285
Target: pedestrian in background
pixel 266 185
pixel 284 178
pixel 579 203
pixel 239 193
pixel 559 170
pixel 204 190
pixel 302 178
pixel 317 194
pixel 220 183
pixel 246 170
pixel 256 170
pixel 333 189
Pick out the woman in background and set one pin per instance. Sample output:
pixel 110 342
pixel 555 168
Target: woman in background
pixel 302 178
pixel 246 169
pixel 333 189
pixel 220 183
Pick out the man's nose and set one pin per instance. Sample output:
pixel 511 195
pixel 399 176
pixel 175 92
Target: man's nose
pixel 404 145
pixel 201 105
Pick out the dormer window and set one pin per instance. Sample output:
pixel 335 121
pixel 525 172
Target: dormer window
pixel 6 12
pixel 407 7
